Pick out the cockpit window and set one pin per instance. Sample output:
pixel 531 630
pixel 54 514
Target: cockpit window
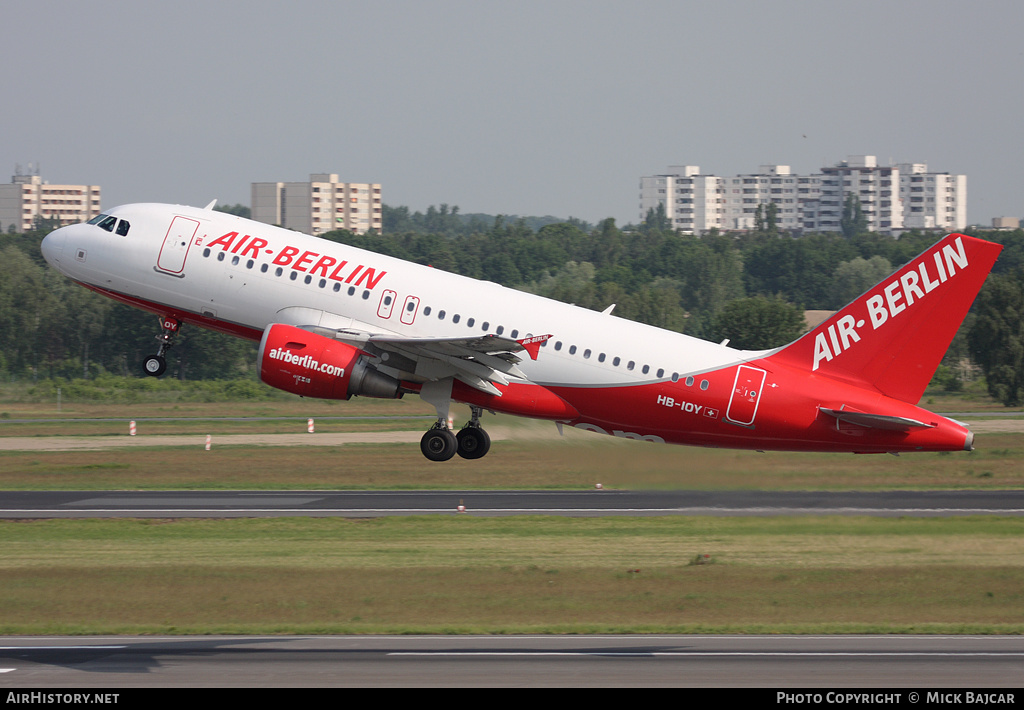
pixel 108 224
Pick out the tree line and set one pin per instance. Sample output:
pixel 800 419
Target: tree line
pixel 751 288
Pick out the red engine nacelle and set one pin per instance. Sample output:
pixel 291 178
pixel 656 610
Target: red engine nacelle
pixel 307 364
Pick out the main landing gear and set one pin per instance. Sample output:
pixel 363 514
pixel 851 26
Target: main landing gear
pixel 156 365
pixel 440 444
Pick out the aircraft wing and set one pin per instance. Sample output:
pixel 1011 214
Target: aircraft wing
pixel 484 344
pixel 479 361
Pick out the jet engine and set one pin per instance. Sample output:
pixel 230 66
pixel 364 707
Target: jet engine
pixel 307 364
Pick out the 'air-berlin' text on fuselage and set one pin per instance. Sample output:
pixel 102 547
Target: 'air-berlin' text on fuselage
pixel 898 295
pixel 308 262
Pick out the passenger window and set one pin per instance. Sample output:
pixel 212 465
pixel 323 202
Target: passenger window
pixel 122 228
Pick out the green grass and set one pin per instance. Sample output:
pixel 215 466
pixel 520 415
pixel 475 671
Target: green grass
pixel 458 574
pixel 533 457
pixel 280 405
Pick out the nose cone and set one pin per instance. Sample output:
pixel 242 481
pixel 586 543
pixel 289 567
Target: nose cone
pixel 53 246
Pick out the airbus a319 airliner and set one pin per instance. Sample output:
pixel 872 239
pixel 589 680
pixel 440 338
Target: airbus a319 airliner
pixel 335 322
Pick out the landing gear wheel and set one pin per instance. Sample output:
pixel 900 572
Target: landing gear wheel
pixel 438 444
pixel 154 365
pixel 473 442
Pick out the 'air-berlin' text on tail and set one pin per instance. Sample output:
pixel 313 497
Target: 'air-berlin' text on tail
pixel 894 335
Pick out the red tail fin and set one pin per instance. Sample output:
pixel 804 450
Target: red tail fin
pixel 894 336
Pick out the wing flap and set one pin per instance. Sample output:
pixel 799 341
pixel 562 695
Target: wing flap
pixel 486 344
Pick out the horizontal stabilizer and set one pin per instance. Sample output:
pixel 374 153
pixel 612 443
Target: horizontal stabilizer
pixel 876 421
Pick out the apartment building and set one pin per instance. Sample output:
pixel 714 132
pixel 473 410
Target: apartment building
pixel 693 202
pixel 932 200
pixel 28 197
pixel 321 205
pixel 772 184
pixel 876 187
pixel 893 198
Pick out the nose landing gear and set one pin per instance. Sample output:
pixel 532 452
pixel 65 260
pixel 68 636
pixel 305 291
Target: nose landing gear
pixel 156 365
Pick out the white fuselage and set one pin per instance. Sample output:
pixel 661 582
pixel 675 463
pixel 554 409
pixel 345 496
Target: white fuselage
pixel 264 274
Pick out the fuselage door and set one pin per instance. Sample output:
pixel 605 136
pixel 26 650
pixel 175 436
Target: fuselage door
pixel 746 393
pixel 176 245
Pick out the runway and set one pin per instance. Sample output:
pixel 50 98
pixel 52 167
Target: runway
pixel 361 504
pixel 913 663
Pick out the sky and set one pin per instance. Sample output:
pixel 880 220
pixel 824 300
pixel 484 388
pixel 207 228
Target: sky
pixel 553 107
